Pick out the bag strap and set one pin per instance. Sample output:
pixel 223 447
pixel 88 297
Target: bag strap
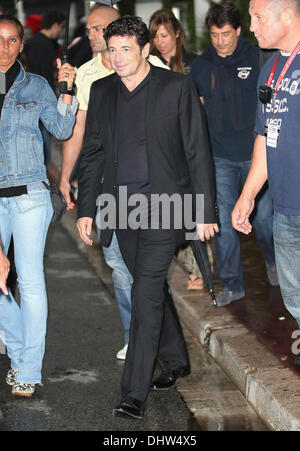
pixel 46 185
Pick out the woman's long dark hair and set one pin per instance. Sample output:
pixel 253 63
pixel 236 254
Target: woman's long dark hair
pixel 166 17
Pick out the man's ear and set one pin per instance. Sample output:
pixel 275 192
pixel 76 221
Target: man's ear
pixel 287 16
pixel 146 50
pixel 239 30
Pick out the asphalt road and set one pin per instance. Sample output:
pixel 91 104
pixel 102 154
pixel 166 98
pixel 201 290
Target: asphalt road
pixel 81 376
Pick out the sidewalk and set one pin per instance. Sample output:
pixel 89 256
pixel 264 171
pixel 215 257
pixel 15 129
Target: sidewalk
pixel 250 339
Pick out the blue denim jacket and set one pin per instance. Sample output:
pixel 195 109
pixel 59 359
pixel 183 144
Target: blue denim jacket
pixel 29 100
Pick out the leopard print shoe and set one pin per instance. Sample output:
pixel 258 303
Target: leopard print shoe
pixel 11 377
pixel 22 389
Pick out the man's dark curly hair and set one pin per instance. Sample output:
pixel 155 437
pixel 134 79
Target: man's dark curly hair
pixel 128 26
pixel 222 14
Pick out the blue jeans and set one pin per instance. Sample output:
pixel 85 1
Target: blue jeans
pixel 122 280
pixel 229 174
pixel 287 251
pixel 27 218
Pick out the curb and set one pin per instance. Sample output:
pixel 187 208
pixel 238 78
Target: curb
pixel 272 390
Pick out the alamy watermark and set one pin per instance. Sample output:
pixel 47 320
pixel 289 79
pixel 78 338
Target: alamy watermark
pixel 296 345
pixel 156 211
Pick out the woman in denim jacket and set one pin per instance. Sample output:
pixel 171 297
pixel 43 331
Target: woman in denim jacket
pixel 25 204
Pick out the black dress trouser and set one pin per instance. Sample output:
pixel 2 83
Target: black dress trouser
pixel 155 328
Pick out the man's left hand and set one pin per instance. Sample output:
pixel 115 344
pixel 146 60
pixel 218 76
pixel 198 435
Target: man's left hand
pixel 84 226
pixel 207 231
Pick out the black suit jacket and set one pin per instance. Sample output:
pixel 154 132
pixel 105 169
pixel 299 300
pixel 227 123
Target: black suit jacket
pixel 178 151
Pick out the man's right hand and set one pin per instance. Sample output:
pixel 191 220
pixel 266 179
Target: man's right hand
pixel 84 226
pixel 65 188
pixel 4 271
pixel 241 213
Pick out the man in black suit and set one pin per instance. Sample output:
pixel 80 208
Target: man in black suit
pixel 145 131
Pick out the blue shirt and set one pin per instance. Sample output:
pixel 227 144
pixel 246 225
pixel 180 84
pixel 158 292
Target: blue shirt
pixel 242 69
pixel 284 160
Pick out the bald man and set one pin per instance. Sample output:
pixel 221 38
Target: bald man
pixel 276 155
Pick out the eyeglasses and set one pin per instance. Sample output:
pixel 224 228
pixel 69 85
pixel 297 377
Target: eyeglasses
pixel 96 28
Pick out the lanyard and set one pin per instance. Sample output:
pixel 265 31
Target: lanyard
pixel 284 70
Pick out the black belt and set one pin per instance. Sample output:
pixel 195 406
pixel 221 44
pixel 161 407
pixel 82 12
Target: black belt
pixel 13 191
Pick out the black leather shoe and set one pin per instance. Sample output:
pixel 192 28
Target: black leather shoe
pixel 131 408
pixel 166 380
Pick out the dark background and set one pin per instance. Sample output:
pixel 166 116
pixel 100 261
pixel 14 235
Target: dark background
pixel 187 13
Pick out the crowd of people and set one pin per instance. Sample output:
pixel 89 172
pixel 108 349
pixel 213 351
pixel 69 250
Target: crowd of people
pixel 157 120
